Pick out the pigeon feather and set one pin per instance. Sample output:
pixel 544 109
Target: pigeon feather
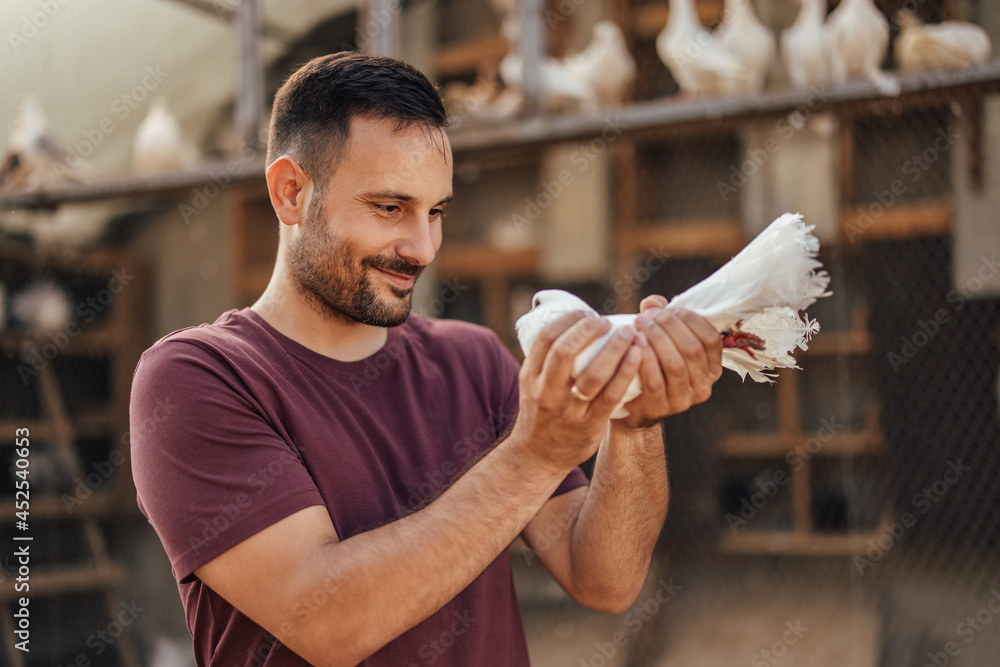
pixel 753 300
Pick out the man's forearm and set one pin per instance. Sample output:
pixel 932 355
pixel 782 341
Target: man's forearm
pixel 389 579
pixel 621 517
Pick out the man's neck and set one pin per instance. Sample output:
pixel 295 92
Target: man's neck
pixel 290 312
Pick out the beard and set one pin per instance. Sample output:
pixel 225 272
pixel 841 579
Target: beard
pixel 337 280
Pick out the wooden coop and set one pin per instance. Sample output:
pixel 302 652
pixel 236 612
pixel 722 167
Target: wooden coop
pixel 788 501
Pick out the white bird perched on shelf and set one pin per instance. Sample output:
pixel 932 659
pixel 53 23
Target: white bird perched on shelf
pixel 42 308
pixel 804 46
pixel 560 86
pixel 945 45
pixel 605 64
pixel 858 35
pixel 34 161
pixel 159 143
pixel 696 61
pixel 753 300
pixel 743 35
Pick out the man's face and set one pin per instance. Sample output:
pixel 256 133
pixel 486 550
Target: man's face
pixel 366 238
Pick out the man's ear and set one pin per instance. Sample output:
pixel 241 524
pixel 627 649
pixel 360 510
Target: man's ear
pixel 290 189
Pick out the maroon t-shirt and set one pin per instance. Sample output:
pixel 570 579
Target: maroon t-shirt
pixel 235 426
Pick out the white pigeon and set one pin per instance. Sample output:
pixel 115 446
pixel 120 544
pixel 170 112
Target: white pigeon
pixel 804 46
pixel 742 35
pixel 753 300
pixel 945 45
pixel 159 143
pixel 64 231
pixel 549 305
pixel 696 61
pixel 34 161
pixel 858 35
pixel 43 307
pixel 605 64
pixel 560 87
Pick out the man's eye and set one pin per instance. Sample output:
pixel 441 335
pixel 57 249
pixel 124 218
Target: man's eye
pixel 437 212
pixel 387 208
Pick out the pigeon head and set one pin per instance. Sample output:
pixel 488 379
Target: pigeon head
pixel 906 18
pixel 608 32
pixel 27 124
pixel 546 306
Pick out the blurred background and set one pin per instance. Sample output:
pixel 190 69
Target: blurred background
pixel 845 515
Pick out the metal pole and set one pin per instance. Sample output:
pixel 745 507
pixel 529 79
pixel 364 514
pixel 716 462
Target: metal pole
pixel 381 31
pixel 533 48
pixel 250 92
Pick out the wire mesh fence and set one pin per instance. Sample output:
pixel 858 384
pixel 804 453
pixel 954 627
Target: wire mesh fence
pixel 846 513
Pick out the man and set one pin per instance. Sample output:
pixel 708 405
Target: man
pixel 290 488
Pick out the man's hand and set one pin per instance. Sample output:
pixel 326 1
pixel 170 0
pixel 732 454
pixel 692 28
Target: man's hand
pixel 554 424
pixel 680 363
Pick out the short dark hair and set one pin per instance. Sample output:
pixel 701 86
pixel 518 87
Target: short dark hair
pixel 311 118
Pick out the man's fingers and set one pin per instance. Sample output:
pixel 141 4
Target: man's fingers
pixel 710 338
pixel 692 349
pixel 660 330
pixel 536 356
pixel 557 369
pixel 598 373
pixel 652 301
pixel 616 387
pixel 654 385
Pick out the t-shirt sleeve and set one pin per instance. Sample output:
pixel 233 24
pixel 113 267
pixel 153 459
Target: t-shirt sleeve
pixel 509 371
pixel 210 470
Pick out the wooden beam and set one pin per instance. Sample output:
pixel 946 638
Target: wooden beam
pixel 710 237
pixel 786 542
pixel 875 222
pixel 467 56
pixel 764 445
pixel 675 115
pixel 207 178
pixel 479 261
pixel 833 343
pixel 60 581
